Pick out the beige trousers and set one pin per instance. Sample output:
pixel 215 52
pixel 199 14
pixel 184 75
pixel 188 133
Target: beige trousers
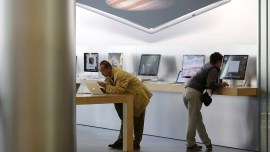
pixel 192 101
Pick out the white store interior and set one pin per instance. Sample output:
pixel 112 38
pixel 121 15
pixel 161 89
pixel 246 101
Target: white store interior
pixel 226 29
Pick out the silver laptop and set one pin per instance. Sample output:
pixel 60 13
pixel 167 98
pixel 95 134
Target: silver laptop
pixel 180 78
pixel 94 88
pixel 150 15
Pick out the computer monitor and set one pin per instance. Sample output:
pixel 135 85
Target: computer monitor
pixel 116 59
pixel 149 64
pixel 234 67
pixel 91 62
pixel 191 64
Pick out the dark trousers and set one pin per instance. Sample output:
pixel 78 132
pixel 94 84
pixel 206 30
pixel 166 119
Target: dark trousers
pixel 138 124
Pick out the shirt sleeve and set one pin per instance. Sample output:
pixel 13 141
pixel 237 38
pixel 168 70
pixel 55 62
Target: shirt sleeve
pixel 212 78
pixel 119 85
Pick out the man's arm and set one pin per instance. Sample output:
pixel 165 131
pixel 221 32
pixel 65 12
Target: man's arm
pixel 212 78
pixel 120 85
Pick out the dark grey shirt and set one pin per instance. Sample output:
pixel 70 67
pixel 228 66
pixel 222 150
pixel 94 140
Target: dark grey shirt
pixel 200 82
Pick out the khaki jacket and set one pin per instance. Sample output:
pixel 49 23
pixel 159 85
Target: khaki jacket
pixel 122 82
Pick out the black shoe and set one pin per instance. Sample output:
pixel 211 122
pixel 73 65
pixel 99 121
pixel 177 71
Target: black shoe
pixel 116 145
pixel 136 146
pixel 209 147
pixel 195 147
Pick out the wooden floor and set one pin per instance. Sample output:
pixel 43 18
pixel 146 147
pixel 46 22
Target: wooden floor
pixel 91 139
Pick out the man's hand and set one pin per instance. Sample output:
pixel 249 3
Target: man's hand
pixel 102 84
pixel 224 84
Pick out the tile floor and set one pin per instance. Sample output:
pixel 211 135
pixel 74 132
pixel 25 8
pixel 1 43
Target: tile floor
pixel 91 139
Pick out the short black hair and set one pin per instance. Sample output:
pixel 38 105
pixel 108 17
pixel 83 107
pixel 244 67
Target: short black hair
pixel 106 64
pixel 214 57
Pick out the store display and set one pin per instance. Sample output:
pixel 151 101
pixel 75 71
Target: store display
pixel 234 67
pixel 149 64
pixel 116 59
pixel 91 62
pixel 191 64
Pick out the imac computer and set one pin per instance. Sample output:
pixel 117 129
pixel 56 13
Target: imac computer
pixel 149 65
pixel 234 67
pixel 91 65
pixel 191 64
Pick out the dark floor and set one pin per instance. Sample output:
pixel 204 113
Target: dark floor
pixel 91 139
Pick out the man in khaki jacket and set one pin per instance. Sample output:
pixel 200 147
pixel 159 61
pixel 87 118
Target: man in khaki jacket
pixel 118 81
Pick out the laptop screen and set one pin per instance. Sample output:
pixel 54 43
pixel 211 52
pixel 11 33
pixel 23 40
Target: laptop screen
pixel 180 78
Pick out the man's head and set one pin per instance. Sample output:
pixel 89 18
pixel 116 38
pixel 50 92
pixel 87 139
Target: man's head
pixel 105 68
pixel 216 59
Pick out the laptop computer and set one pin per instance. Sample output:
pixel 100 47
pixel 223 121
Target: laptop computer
pixel 150 15
pixel 180 78
pixel 77 86
pixel 94 88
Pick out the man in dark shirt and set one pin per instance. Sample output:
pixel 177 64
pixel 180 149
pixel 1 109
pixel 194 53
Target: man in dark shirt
pixel 206 78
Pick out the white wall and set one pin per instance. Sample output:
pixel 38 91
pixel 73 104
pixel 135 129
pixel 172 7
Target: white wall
pixel 231 24
pixel 229 29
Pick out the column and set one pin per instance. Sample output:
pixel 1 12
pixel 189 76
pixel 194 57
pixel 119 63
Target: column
pixel 37 75
pixel 263 75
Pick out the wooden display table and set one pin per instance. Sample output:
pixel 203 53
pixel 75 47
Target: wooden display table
pixel 237 91
pixel 230 91
pixel 127 101
pixel 165 87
